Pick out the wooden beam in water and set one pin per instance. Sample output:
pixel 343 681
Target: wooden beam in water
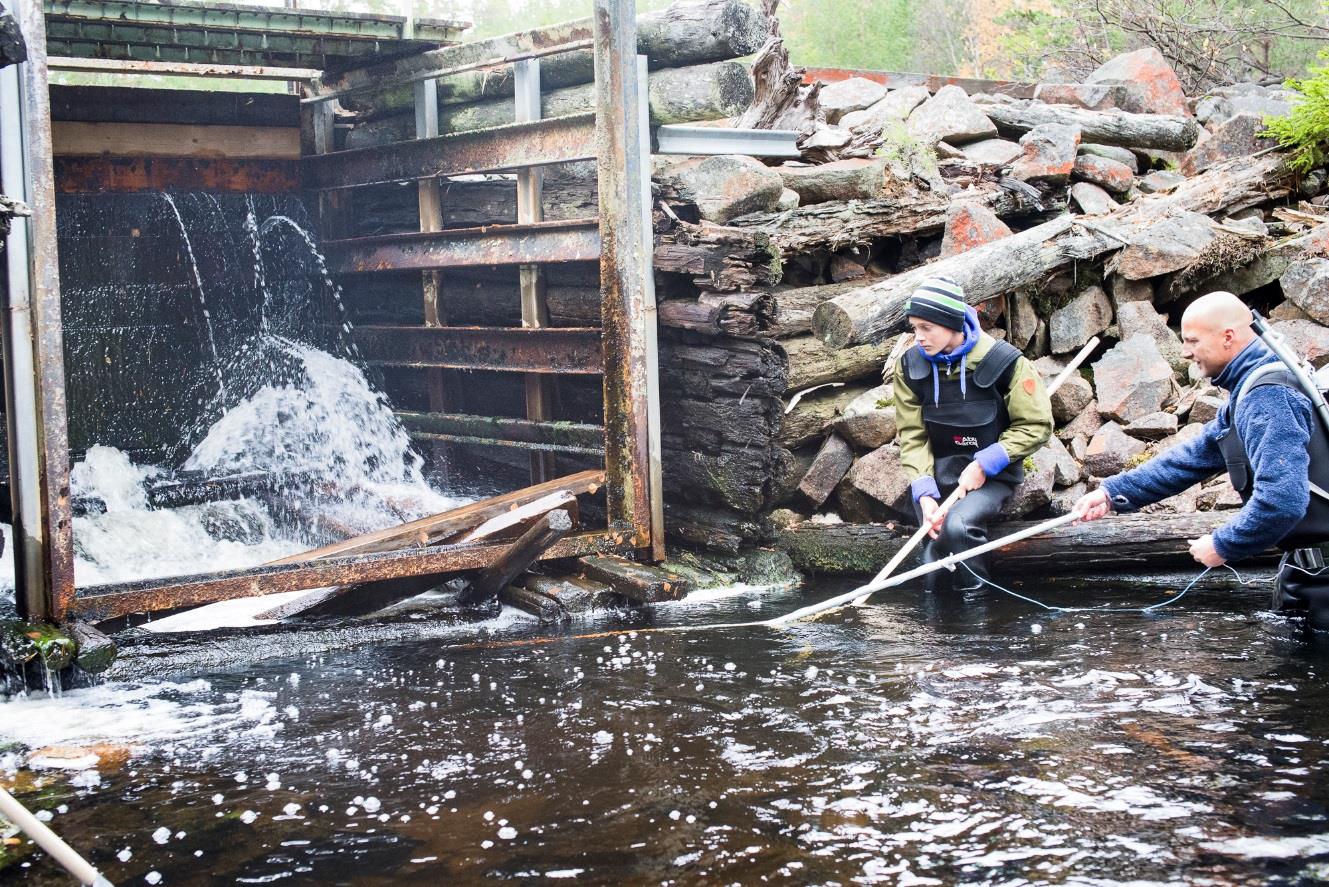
pixel 519 556
pixel 638 582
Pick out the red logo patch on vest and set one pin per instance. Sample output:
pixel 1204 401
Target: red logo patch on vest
pixel 965 440
pixel 1029 386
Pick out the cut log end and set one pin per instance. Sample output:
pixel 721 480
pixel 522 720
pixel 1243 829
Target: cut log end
pixel 833 325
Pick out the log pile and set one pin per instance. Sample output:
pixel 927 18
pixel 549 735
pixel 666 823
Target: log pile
pixel 1092 209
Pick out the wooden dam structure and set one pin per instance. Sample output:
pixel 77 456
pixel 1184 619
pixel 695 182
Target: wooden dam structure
pixel 94 139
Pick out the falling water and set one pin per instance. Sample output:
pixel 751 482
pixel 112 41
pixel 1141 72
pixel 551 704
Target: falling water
pixel 202 297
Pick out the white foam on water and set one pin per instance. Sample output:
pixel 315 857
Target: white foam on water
pixel 139 715
pixel 238 613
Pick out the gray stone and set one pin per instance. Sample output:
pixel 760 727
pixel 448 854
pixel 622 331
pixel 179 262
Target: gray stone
pixel 1132 379
pixel 826 137
pixel 1154 86
pixel 1188 433
pixel 1205 408
pixel 1035 491
pixel 1306 285
pixel 1078 447
pixel 868 421
pixel 1285 310
pixel 1166 246
pixel 1085 425
pixel 728 185
pixel 1091 96
pixel 1160 181
pixel 1155 426
pixel 1238 136
pixel 879 475
pixel 1141 318
pixel 1063 501
pixel 1122 290
pixel 1124 156
pixel 1092 200
pixel 1306 338
pixel 1104 172
pixel 970 225
pixel 1023 320
pixel 1111 451
pixel 1226 102
pixel 1071 398
pixel 1066 469
pixel 1218 494
pixel 949 116
pixel 1049 153
pixel 1082 318
pixel 896 106
pixel 852 94
pixel 997 152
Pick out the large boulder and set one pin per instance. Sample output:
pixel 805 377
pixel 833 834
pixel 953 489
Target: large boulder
pixel 1166 246
pixel 1122 290
pixel 1085 425
pixel 1236 137
pixel 1049 153
pixel 1091 199
pixel 1035 491
pixel 1091 96
pixel 1079 320
pixel 1023 321
pixel 1160 181
pixel 1132 380
pixel 949 116
pixel 879 475
pixel 895 106
pixel 1153 87
pixel 1155 426
pixel 969 225
pixel 1206 407
pixel 1066 469
pixel 1306 285
pixel 1071 398
pixel 852 94
pixel 994 152
pixel 1306 338
pixel 727 185
pixel 1104 172
pixel 868 421
pixel 1111 451
pixel 1063 501
pixel 1141 318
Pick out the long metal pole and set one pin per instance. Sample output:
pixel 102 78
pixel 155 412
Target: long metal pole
pixel 33 339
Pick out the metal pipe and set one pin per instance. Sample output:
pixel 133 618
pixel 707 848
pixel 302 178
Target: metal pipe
pixel 49 841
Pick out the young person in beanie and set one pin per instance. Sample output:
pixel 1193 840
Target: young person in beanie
pixel 969 410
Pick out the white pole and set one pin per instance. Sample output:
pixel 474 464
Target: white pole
pixel 49 841
pixel 954 497
pixel 946 562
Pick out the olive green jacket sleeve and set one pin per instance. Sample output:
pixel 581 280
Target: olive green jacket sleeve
pixel 1030 413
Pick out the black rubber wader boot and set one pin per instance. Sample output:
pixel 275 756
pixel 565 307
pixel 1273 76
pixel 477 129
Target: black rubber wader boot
pixel 966 527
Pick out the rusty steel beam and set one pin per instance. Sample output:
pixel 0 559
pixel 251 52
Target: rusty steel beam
pixel 624 269
pixel 564 350
pixel 576 240
pixel 102 602
pixel 516 145
pixel 547 436
pixel 38 434
pixel 462 57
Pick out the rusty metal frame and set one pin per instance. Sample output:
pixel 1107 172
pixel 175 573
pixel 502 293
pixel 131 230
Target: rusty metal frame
pixel 549 436
pixel 34 350
pixel 511 146
pixel 569 350
pixel 575 240
pixel 101 602
pixel 625 267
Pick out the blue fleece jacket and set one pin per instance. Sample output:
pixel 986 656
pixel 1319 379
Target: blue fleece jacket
pixel 1274 423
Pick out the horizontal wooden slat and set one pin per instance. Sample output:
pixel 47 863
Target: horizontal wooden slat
pixel 577 240
pixel 80 139
pixel 573 350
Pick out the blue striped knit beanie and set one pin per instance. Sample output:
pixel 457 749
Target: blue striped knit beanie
pixel 939 300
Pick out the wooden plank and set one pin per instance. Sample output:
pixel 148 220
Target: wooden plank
pixel 518 557
pixel 438 527
pixel 180 69
pixel 72 138
pixel 130 104
pixel 99 175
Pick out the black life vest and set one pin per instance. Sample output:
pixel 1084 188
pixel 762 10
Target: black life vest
pixel 1313 528
pixel 960 424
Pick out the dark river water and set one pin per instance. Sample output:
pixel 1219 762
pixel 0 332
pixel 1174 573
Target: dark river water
pixel 917 741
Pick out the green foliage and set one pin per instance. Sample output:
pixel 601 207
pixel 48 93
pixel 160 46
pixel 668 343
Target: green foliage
pixel 1305 129
pixel 877 35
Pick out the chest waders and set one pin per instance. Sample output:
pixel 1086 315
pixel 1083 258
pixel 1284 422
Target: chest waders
pixel 960 421
pixel 1303 582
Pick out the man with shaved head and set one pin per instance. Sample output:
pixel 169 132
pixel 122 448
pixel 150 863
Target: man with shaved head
pixel 1269 440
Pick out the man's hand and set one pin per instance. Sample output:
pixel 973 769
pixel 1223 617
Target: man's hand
pixel 971 478
pixel 933 516
pixel 1203 550
pixel 1092 506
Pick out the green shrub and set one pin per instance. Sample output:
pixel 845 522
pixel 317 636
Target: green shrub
pixel 1305 129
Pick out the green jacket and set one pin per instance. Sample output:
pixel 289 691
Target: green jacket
pixel 1027 407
